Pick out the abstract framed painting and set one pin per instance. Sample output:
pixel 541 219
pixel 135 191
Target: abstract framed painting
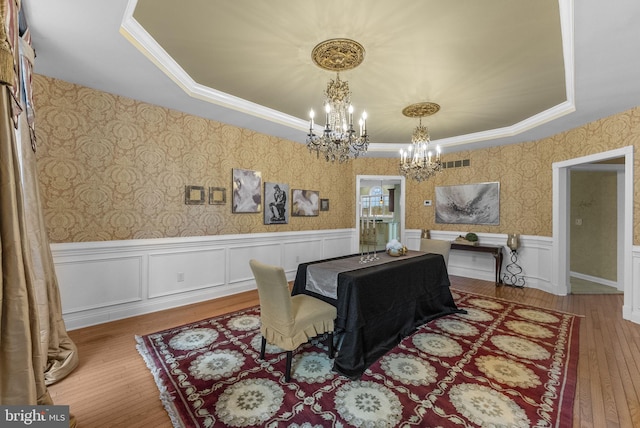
pixel 275 201
pixel 305 203
pixel 247 191
pixel 468 204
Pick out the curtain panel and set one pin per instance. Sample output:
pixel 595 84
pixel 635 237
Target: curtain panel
pixel 35 349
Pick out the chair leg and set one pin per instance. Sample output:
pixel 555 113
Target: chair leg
pixel 331 350
pixel 287 373
pixel 262 347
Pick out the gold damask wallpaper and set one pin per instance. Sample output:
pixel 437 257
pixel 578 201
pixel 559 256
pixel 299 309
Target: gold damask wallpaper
pixel 524 172
pixel 113 168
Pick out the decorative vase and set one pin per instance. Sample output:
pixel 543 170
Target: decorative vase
pixel 396 252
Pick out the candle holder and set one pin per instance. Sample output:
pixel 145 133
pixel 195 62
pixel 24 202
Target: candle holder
pixel 370 235
pixel 513 277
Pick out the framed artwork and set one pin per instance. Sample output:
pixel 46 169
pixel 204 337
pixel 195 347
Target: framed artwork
pixel 247 191
pixel 275 201
pixel 194 195
pixel 305 203
pixel 217 195
pixel 324 204
pixel 468 204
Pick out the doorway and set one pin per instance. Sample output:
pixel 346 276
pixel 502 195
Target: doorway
pixel 560 275
pixel 380 211
pixel 596 207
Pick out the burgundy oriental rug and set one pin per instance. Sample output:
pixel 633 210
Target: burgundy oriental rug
pixel 502 364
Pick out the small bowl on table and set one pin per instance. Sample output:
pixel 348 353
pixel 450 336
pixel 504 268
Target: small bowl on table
pixel 396 252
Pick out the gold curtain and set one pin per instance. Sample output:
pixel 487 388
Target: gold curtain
pixel 62 355
pixel 61 352
pixel 35 349
pixel 22 369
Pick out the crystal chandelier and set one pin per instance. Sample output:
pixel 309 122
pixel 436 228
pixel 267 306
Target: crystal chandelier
pixel 339 141
pixel 417 161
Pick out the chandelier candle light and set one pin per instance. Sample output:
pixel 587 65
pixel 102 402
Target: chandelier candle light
pixel 417 161
pixel 339 140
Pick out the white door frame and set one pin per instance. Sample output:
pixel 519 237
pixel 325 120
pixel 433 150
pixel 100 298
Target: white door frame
pixel 561 226
pixel 359 179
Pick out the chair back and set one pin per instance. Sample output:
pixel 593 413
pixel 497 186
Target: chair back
pixel 436 246
pixel 275 297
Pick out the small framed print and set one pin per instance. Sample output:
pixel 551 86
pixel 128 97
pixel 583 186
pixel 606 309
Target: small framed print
pixel 194 195
pixel 324 204
pixel 304 203
pixel 217 195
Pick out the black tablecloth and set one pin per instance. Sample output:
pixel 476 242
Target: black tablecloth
pixel 379 305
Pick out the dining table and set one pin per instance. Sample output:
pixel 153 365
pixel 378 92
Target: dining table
pixel 378 302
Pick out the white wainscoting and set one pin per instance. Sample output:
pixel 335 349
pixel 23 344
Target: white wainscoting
pixel 631 307
pixel 110 280
pixel 534 256
pixel 536 261
pixel 106 281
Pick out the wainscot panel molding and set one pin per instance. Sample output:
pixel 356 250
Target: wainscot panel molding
pixel 631 307
pixel 534 256
pixel 109 280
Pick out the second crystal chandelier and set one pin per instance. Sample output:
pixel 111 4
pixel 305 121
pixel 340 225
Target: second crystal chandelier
pixel 340 140
pixel 417 161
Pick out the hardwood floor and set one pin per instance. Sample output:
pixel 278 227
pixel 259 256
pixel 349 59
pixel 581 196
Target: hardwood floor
pixel 112 386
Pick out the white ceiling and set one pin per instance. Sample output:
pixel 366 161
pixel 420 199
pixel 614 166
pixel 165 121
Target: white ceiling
pixel 502 71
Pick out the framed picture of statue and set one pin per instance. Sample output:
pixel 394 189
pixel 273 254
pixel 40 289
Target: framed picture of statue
pixel 305 203
pixel 276 207
pixel 247 191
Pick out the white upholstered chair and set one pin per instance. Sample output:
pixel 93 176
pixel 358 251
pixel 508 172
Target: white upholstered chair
pixel 289 321
pixel 436 246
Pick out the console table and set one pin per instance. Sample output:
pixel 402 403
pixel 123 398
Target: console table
pixel 495 250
